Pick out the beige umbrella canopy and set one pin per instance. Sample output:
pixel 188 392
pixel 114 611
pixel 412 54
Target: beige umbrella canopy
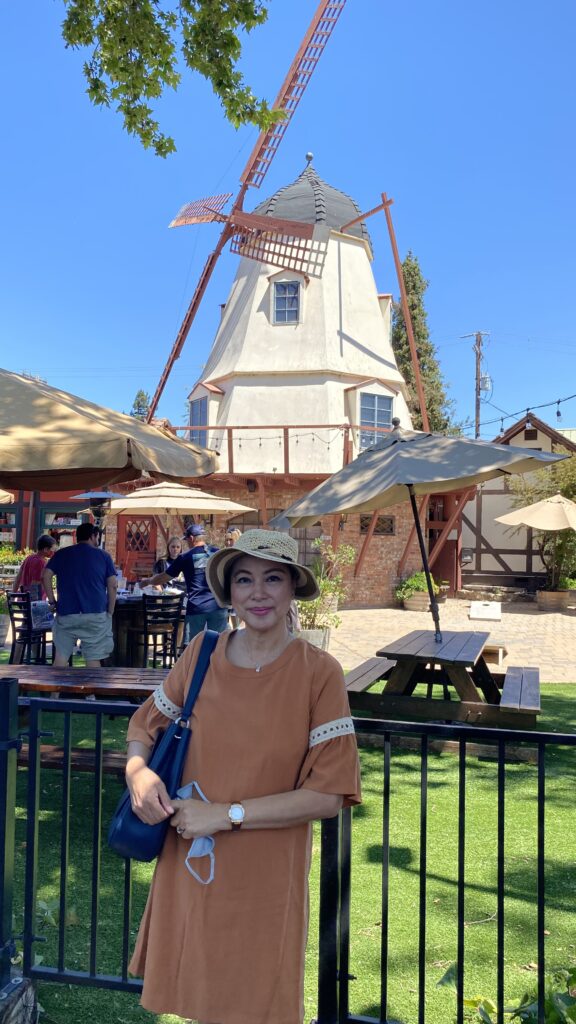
pixel 555 513
pixel 407 463
pixel 173 499
pixel 52 440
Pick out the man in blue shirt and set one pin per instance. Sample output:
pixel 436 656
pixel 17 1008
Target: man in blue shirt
pixel 202 609
pixel 87 585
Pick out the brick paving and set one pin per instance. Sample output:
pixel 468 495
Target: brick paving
pixel 532 637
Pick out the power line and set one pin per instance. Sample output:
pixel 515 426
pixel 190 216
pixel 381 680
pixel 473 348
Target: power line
pixel 528 409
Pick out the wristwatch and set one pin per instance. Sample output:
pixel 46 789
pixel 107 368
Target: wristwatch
pixel 236 816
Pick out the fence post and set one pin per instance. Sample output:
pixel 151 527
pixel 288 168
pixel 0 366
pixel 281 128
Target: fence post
pixel 9 744
pixel 329 920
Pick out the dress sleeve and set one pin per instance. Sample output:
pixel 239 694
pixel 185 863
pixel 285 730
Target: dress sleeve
pixel 331 764
pixel 166 703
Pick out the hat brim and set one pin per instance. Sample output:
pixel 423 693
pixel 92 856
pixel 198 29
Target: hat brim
pixel 218 564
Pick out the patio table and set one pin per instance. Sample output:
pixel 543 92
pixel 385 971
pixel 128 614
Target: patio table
pixel 122 682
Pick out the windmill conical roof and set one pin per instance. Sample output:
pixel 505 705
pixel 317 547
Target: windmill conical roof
pixel 311 200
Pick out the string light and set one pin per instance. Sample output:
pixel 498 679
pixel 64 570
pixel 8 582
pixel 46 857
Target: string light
pixel 558 412
pixel 544 405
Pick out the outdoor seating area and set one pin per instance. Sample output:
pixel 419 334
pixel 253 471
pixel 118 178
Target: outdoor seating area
pixel 287 646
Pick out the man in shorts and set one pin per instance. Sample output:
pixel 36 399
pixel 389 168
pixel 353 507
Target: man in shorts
pixel 87 585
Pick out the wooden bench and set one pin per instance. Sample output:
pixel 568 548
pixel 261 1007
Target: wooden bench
pixel 521 690
pixel 369 672
pixel 81 760
pixel 495 653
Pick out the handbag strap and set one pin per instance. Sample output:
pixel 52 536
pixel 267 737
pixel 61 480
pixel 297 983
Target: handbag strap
pixel 209 641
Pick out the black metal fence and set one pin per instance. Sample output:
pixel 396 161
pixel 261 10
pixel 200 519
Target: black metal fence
pixel 68 848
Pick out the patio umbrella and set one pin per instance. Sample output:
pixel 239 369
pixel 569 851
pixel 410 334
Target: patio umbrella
pixel 407 463
pixel 52 440
pixel 550 515
pixel 173 499
pixel 555 513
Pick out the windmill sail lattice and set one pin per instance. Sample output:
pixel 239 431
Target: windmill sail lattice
pixel 290 248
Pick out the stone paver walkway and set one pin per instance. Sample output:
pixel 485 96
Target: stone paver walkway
pixel 544 639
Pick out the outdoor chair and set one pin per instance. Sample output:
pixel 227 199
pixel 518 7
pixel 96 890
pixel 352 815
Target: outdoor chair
pixel 159 634
pixel 28 643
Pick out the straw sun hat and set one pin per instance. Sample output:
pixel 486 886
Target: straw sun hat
pixel 266 544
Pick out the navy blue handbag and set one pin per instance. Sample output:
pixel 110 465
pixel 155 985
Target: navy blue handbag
pixel 127 835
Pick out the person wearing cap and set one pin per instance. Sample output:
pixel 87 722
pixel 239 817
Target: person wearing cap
pixel 202 610
pixel 223 935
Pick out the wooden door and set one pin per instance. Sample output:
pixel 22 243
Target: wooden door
pixel 136 545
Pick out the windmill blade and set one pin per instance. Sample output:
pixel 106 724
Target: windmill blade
pixel 293 88
pixel 287 244
pixel 188 319
pixel 259 222
pixel 293 251
pixel 201 211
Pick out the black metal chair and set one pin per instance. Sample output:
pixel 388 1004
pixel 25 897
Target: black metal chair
pixel 159 635
pixel 28 642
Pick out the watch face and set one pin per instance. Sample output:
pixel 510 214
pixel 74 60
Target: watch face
pixel 236 813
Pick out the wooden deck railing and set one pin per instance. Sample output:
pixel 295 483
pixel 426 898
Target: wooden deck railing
pixel 222 438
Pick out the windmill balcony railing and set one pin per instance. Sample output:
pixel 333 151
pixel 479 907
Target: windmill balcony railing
pixel 285 448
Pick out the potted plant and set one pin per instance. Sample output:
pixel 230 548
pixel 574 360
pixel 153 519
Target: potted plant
pixel 558 553
pixel 317 617
pixel 413 592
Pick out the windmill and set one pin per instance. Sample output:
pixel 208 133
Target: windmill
pixel 282 243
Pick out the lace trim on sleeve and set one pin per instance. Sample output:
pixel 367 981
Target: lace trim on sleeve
pixel 329 731
pixel 165 705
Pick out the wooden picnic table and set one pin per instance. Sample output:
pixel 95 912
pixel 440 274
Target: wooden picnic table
pixel 121 682
pixel 485 697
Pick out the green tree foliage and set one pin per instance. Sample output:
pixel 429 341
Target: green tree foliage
pixel 135 47
pixel 140 405
pixel 557 548
pixel 439 406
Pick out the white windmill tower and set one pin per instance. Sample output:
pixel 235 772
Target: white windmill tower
pixel 302 362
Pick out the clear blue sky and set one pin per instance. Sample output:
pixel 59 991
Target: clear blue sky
pixel 464 114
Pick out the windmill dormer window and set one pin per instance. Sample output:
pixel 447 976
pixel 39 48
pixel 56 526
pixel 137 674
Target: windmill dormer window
pixel 286 308
pixel 199 418
pixel 375 411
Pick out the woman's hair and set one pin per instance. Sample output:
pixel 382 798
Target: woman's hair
pixel 294 576
pixel 173 540
pixel 233 535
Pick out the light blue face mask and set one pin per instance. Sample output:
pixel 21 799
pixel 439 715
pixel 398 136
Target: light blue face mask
pixel 202 846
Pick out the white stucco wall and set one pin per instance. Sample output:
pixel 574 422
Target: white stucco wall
pixel 300 373
pixel 496 534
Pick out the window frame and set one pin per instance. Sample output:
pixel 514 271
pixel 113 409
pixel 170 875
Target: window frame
pixel 366 430
pixel 285 282
pixel 200 434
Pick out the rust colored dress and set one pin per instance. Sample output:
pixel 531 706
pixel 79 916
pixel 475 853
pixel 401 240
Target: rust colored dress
pixel 232 952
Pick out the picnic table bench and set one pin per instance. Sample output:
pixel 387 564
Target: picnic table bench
pixel 116 683
pixel 369 672
pixel 457 663
pixel 112 682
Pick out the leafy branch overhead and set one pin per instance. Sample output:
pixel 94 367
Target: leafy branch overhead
pixel 135 54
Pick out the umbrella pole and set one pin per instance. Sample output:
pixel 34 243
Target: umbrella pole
pixel 433 601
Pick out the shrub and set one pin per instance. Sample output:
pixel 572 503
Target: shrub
pixel 414 584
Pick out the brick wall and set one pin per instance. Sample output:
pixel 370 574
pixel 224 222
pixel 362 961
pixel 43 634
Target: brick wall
pixel 374 585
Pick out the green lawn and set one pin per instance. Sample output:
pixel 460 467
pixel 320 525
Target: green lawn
pixel 64 1004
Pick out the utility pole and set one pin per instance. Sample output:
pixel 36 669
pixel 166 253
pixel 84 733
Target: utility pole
pixel 477 350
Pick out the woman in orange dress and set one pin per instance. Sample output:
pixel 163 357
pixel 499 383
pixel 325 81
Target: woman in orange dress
pixel 224 932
